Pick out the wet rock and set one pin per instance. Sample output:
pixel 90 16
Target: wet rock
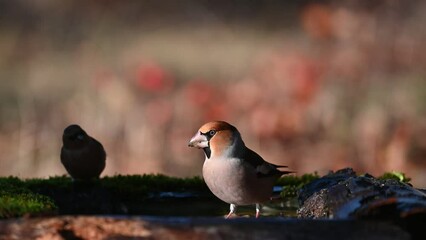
pixel 324 183
pixel 343 195
pixel 97 228
pixel 72 228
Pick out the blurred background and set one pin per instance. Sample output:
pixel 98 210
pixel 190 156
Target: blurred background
pixel 316 85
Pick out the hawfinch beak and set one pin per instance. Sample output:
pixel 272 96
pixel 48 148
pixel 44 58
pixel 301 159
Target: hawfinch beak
pixel 199 141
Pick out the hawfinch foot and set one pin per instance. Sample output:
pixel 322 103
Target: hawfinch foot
pixel 232 209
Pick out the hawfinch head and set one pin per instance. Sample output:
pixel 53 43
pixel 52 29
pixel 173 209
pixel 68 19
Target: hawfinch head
pixel 216 138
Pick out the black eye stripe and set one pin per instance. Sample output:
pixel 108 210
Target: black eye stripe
pixel 209 134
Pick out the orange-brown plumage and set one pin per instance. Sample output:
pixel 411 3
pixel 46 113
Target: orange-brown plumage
pixel 224 130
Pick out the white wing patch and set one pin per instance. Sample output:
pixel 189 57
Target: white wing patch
pixel 265 168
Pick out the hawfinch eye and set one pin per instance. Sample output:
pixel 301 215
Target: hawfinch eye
pixel 212 133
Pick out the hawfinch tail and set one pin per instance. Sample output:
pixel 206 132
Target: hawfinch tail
pixel 82 156
pixel 233 172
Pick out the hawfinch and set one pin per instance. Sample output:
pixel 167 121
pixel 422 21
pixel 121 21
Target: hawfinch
pixel 233 172
pixel 82 156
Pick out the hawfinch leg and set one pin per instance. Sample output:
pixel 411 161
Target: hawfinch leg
pixel 232 209
pixel 258 207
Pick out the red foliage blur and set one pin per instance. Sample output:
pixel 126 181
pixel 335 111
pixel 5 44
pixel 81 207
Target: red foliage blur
pixel 153 78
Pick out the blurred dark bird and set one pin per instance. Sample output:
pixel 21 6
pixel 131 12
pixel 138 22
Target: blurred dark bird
pixel 82 156
pixel 233 172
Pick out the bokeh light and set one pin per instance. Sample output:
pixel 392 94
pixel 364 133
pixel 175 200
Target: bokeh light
pixel 316 85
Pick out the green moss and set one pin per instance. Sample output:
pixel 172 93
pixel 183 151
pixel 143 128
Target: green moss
pixel 11 185
pixel 120 194
pixel 124 194
pixel 142 185
pixel 51 182
pixel 16 199
pixel 399 176
pixel 26 203
pixel 292 184
pixel 290 180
